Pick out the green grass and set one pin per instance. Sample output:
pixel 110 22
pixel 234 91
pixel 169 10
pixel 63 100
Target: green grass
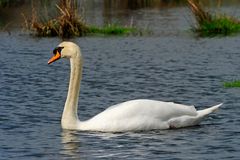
pixel 111 29
pixel 65 29
pixel 209 25
pixel 232 84
pixel 69 23
pixel 219 25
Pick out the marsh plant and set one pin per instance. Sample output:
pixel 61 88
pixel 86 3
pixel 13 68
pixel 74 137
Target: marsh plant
pixel 112 29
pixel 235 83
pixel 69 23
pixel 209 24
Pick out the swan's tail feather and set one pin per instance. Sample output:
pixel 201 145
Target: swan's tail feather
pixel 204 112
pixel 186 121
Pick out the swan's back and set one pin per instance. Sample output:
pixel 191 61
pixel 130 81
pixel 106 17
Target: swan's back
pixel 138 115
pixel 144 107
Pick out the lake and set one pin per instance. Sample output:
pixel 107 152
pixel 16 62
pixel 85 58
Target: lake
pixel 170 65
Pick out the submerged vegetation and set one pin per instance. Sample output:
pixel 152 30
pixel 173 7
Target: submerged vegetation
pixel 69 23
pixel 212 24
pixel 232 84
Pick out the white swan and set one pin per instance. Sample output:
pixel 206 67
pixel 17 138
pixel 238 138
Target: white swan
pixel 134 115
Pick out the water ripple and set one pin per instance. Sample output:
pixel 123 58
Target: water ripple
pixel 183 70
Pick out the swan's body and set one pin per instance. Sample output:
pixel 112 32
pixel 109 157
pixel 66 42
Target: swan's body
pixel 132 115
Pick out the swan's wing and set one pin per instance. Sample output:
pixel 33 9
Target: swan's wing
pixel 139 115
pixel 151 108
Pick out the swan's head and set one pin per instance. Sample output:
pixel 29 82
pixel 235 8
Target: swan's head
pixel 65 50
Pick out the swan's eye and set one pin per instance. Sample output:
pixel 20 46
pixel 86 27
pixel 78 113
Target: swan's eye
pixel 58 49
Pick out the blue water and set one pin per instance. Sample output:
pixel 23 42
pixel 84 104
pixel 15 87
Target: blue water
pixel 169 68
pixel 170 65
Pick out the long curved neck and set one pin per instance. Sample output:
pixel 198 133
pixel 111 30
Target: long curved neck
pixel 70 117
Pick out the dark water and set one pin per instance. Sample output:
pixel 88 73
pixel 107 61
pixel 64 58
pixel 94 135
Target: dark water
pixel 180 69
pixel 171 65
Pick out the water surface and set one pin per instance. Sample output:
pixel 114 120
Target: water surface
pixel 179 69
pixel 171 65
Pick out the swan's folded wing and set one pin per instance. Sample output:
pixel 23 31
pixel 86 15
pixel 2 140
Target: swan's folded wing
pixel 139 115
pixel 146 108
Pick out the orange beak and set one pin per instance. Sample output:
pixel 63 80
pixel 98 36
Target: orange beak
pixel 54 58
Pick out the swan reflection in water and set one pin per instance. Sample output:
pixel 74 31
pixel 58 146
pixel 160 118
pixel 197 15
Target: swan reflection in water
pixel 78 145
pixel 70 143
pixel 91 145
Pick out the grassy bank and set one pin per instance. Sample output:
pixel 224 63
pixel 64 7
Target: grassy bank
pixel 209 24
pixel 232 84
pixel 69 23
pixel 219 25
pixel 111 29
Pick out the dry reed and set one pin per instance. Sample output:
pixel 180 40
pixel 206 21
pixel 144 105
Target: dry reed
pixel 212 24
pixel 67 24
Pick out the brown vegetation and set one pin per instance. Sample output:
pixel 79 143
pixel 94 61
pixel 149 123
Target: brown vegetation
pixel 212 24
pixel 68 22
pixel 200 14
